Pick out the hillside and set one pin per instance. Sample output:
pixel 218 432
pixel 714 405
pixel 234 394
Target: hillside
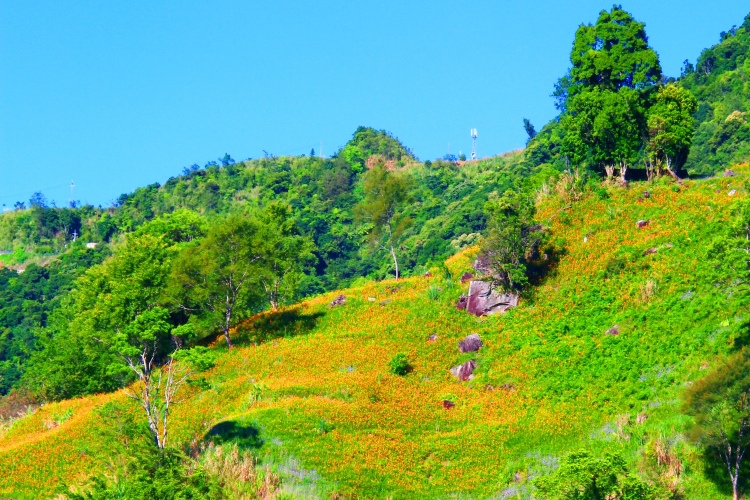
pixel 309 391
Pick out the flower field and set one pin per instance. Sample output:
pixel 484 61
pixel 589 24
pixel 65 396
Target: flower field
pixel 311 383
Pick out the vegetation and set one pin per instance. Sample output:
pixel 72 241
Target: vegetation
pixel 631 333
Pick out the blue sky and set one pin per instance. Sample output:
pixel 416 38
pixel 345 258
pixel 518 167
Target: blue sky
pixel 115 95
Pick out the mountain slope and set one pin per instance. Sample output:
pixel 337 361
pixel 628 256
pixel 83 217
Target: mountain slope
pixel 309 386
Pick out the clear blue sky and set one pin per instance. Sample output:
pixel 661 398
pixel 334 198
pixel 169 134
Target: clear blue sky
pixel 118 94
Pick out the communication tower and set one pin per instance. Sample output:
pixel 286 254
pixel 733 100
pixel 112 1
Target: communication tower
pixel 70 201
pixel 474 144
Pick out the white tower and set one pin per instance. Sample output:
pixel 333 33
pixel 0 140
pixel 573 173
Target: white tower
pixel 474 144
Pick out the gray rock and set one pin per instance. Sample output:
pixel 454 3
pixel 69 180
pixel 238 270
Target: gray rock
pixel 341 299
pixel 732 192
pixel 471 343
pixel 642 223
pixel 432 338
pixel 729 173
pixel 465 371
pixel 687 295
pixel 615 330
pixel 466 277
pixel 484 301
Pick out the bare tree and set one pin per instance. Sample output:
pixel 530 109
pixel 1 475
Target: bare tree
pixel 156 389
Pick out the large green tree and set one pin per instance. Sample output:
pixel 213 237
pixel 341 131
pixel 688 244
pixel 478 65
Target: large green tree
pixel 670 129
pixel 218 277
pixel 286 253
pixel 605 94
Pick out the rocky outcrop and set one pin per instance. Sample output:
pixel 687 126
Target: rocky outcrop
pixel 483 300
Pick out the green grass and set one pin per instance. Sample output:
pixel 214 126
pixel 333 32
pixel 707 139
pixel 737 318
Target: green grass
pixel 309 390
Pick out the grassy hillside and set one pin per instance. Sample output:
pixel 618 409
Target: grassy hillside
pixel 309 392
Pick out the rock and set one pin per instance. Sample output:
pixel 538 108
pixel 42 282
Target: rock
pixel 448 404
pixel 732 192
pixel 463 300
pixel 729 173
pixel 471 343
pixel 687 295
pixel 384 303
pixel 428 274
pixel 432 338
pixel 650 251
pixel 341 299
pixel 484 301
pixel 489 388
pixel 703 366
pixel 647 194
pixel 508 387
pixel 642 223
pixel 465 371
pixel 615 330
pixel 466 277
pixel 372 299
pixel 641 418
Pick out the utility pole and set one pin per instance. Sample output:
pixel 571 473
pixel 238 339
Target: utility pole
pixel 70 201
pixel 474 144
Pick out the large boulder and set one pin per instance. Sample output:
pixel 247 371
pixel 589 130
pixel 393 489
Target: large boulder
pixel 484 300
pixel 465 371
pixel 471 343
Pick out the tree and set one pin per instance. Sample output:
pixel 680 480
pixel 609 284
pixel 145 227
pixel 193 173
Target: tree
pixel 226 160
pixel 38 200
pixel 670 129
pixel 611 55
pixel 720 405
pixel 513 241
pixel 604 96
pixel 215 277
pixel 140 344
pixel 312 153
pixel 581 476
pixel 285 253
pixel 529 128
pixel 604 128
pixel 386 194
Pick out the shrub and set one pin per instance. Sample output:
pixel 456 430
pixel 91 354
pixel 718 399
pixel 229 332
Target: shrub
pixel 399 364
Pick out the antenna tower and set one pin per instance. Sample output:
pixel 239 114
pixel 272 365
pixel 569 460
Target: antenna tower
pixel 70 201
pixel 474 144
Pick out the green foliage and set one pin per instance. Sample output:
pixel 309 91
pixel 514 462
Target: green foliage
pixel 582 476
pixel 399 364
pixel 152 473
pixel 386 195
pixel 513 245
pixel 720 404
pixel 670 128
pixel 199 358
pixel 720 83
pixel 26 302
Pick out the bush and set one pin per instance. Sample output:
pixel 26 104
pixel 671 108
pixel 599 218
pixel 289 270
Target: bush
pixel 399 364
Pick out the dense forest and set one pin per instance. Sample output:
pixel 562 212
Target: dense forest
pixel 96 299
